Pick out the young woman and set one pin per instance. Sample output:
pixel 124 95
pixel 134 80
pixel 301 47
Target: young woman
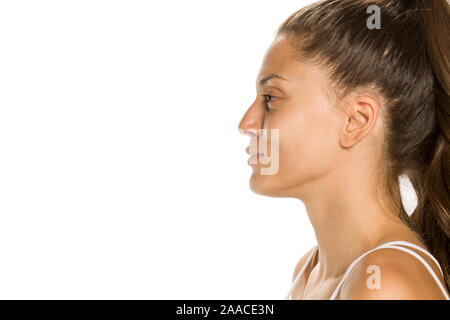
pixel 356 108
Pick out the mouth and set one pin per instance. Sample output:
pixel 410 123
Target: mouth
pixel 253 157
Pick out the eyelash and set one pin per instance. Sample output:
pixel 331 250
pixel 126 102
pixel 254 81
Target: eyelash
pixel 266 102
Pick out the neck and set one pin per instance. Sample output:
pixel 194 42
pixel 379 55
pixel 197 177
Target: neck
pixel 348 220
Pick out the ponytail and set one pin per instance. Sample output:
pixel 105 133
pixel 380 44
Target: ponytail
pixel 432 215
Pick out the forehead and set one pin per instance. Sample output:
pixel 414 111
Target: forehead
pixel 280 58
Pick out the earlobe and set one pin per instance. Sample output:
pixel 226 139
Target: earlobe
pixel 348 134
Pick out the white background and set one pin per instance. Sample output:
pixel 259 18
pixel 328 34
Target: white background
pixel 122 171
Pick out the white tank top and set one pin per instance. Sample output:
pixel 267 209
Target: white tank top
pixel 392 245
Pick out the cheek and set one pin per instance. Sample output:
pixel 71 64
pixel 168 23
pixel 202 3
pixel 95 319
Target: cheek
pixel 307 143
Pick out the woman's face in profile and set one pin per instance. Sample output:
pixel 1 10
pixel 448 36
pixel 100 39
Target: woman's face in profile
pixel 296 98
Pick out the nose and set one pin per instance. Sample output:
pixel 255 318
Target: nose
pixel 252 121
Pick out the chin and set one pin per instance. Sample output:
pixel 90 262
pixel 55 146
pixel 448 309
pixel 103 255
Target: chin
pixel 265 185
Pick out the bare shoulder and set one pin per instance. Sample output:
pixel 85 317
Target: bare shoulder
pixel 301 263
pixel 391 274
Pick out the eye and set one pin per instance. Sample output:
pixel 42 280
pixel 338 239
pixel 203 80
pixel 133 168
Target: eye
pixel 267 99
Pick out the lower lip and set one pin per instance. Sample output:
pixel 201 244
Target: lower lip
pixel 253 159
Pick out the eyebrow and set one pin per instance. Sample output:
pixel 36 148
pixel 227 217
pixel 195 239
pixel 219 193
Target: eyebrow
pixel 268 77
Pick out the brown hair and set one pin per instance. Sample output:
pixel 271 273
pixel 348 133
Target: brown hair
pixel 407 62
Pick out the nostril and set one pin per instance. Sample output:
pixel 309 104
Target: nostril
pixel 249 132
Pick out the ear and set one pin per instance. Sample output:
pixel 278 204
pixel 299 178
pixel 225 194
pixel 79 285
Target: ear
pixel 361 114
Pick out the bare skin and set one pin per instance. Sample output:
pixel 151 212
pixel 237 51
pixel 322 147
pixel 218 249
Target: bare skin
pixel 328 149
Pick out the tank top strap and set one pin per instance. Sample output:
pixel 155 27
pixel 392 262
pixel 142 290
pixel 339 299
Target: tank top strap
pixel 302 270
pixel 415 246
pixel 396 245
